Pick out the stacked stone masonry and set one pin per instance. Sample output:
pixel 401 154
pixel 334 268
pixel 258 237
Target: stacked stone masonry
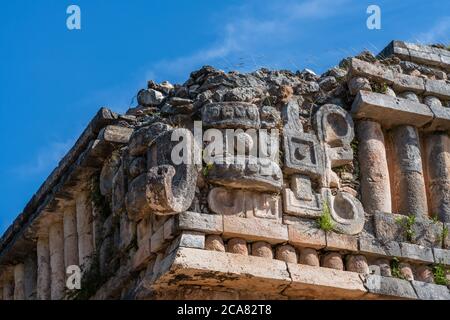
pixel 353 204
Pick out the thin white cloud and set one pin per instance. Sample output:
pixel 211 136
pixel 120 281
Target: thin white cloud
pixel 438 33
pixel 45 160
pixel 248 32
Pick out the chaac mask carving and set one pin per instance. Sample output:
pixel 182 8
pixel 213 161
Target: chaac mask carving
pixel 258 161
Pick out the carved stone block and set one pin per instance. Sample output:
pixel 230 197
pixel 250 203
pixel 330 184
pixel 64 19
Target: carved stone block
pixel 244 203
pixel 300 200
pixel 246 173
pixel 231 115
pixel 302 154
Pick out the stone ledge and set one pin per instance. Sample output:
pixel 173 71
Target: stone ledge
pixel 414 252
pixel 418 53
pixel 387 287
pixel 188 266
pixel 254 229
pixel 390 111
pixel 441 256
pixel 400 81
pixel 201 222
pixel 324 283
pixel 430 291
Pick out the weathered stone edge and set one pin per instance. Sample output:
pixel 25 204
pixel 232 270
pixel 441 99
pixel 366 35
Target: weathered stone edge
pixel 187 266
pixel 213 224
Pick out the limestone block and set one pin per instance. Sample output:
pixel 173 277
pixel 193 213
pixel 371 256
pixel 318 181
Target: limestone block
pixel 438 88
pixel 428 291
pixel 409 180
pixel 358 83
pixel 143 254
pixel 286 253
pixel 118 191
pixel 334 126
pixel 237 246
pixel 384 248
pixel 309 256
pixel 376 72
pixel 231 115
pixel 137 167
pixel 244 203
pixel 84 229
pixel 246 172
pixel 207 223
pixel 346 211
pixel 336 241
pixel 332 260
pixel 19 282
pixel 387 228
pixel 424 274
pixel 300 200
pixel 262 249
pixel 385 267
pixel 143 229
pixel 149 97
pixel 187 239
pixel 116 134
pixel 406 271
pixel 210 268
pixel 404 82
pixel 375 183
pixel 304 233
pixel 324 283
pixel 415 252
pixel 127 231
pixel 357 263
pixel 170 230
pixel 159 190
pixel 30 279
pixel 43 262
pixel 303 154
pixel 441 120
pixel 390 111
pixel 157 240
pixel 441 256
pixel 56 247
pixel 438 164
pixel 109 170
pixel 389 287
pixel 70 237
pixel 141 139
pixel 214 243
pixel 254 229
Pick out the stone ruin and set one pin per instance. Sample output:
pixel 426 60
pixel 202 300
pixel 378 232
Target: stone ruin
pixel 355 203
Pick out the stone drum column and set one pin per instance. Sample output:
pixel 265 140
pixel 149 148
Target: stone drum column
pixel 43 261
pixel 409 179
pixel 70 237
pixel 438 168
pixel 375 184
pixel 84 229
pixel 56 245
pixel 19 280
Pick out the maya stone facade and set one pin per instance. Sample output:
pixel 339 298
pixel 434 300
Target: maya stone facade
pixel 354 203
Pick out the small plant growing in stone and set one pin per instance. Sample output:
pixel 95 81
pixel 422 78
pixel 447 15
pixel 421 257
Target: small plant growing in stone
pixel 207 168
pixel 395 268
pixel 325 222
pixel 440 274
pixel 380 87
pixel 434 218
pixel 407 224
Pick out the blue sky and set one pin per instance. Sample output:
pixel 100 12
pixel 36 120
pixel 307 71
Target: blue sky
pixel 53 80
